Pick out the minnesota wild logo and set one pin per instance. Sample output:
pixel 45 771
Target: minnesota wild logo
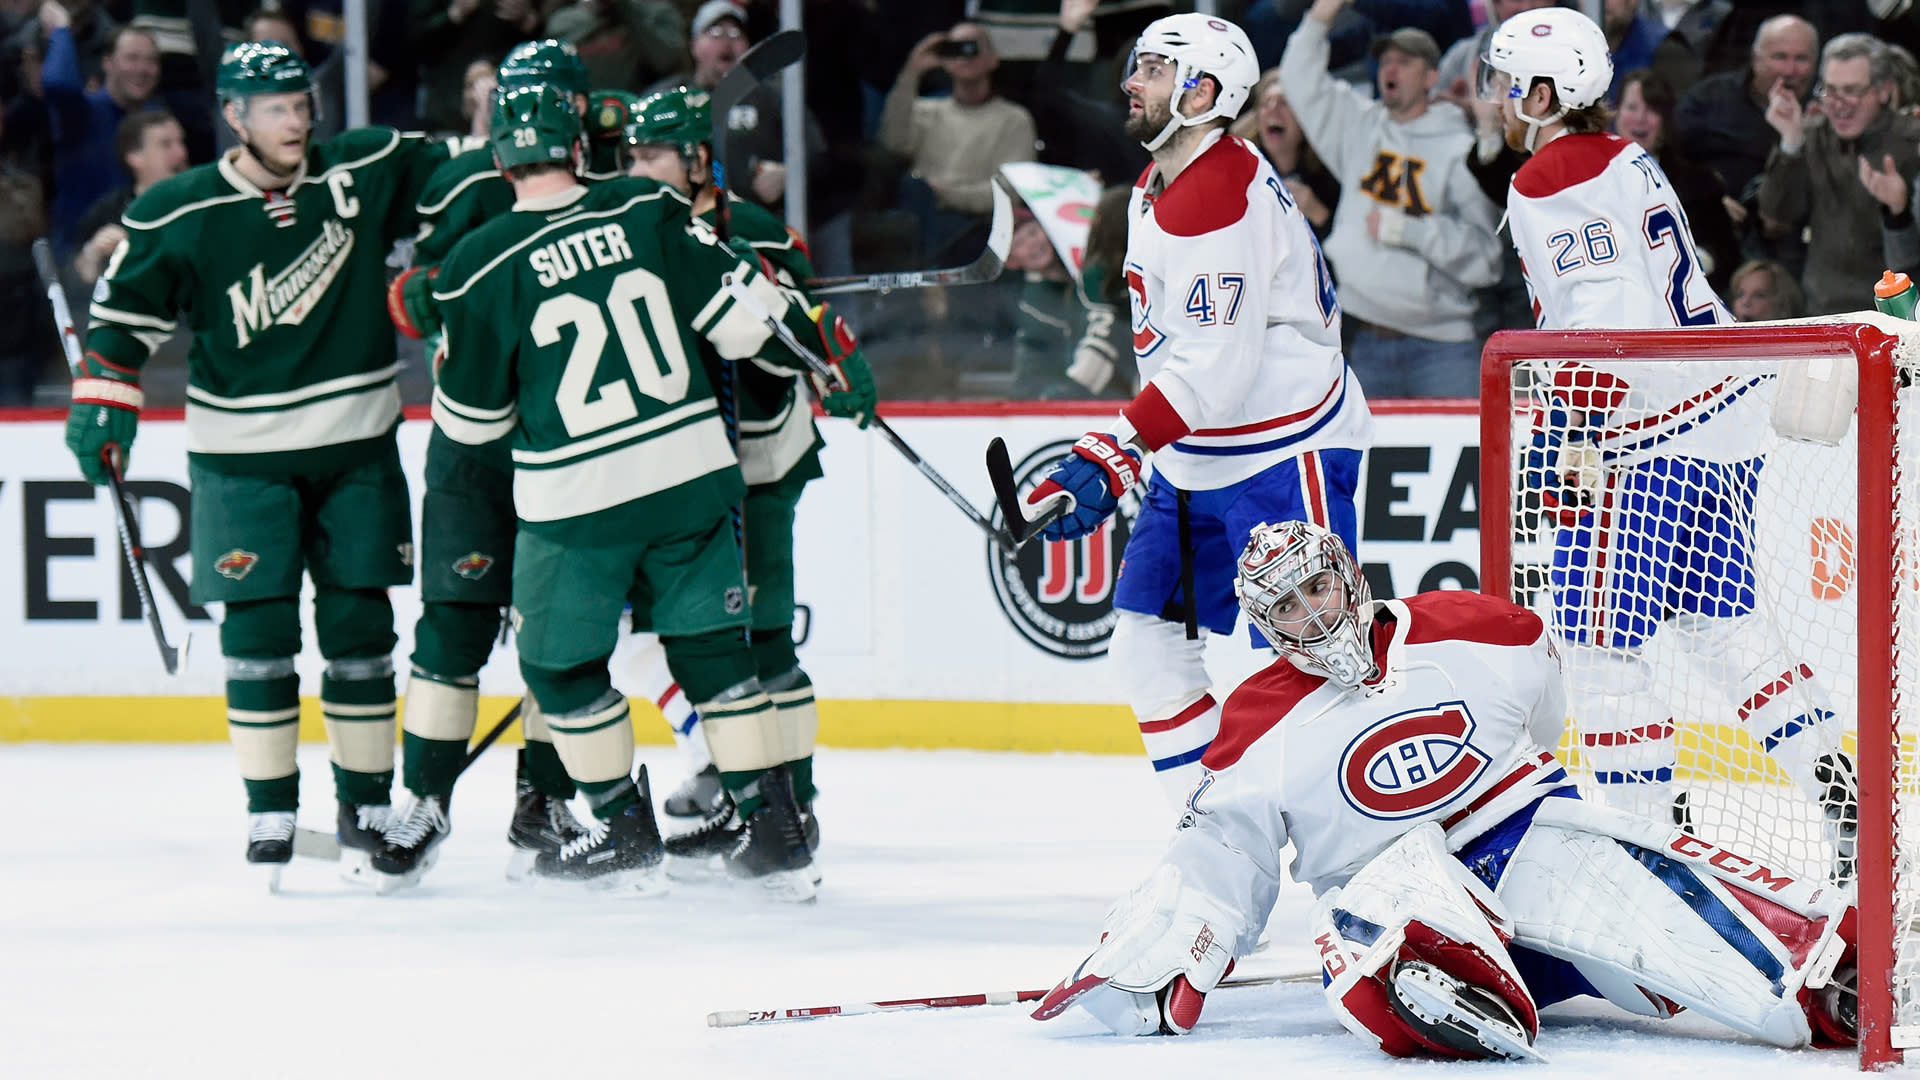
pixel 473 566
pixel 236 564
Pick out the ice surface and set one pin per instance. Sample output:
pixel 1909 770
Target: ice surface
pixel 136 943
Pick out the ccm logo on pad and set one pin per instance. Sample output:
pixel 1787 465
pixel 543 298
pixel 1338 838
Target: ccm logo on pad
pixel 1412 763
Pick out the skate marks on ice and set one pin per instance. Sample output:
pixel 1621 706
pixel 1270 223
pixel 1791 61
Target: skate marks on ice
pixel 137 943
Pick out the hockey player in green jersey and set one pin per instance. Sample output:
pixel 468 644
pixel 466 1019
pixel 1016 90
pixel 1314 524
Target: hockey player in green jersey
pixel 276 255
pixel 779 450
pixel 466 543
pixel 572 326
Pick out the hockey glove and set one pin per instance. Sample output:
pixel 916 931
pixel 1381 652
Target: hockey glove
pixel 851 394
pixel 1093 476
pixel 1566 475
pixel 410 302
pixel 104 415
pixel 1164 948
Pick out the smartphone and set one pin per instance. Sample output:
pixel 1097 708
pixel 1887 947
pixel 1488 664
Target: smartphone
pixel 956 50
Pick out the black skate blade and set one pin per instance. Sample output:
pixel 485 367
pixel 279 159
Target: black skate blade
pixel 1432 996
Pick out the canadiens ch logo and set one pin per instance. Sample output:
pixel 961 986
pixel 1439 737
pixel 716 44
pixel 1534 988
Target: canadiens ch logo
pixel 236 564
pixel 473 566
pixel 1412 763
pixel 1058 594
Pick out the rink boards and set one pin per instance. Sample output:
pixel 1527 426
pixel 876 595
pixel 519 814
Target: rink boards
pixel 917 631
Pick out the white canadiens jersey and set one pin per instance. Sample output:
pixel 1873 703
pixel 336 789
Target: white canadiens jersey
pixel 1604 244
pixel 1452 732
pixel 1235 325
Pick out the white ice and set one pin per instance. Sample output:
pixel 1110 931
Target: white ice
pixel 135 942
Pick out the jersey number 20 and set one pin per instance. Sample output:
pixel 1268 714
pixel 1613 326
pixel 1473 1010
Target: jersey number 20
pixel 660 374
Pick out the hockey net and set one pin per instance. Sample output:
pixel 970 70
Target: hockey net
pixel 1668 633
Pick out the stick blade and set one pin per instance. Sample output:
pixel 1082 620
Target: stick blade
pixel 1000 235
pixel 314 844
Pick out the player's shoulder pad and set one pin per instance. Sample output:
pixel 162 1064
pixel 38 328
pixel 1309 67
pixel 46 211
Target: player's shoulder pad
pixel 353 148
pixel 454 176
pixel 1568 161
pixel 1255 706
pixel 1211 193
pixel 757 224
pixel 179 195
pixel 1460 615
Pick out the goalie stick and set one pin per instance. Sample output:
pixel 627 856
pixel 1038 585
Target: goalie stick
pixel 819 367
pixel 126 520
pixel 978 272
pixel 745 1017
pixel 314 844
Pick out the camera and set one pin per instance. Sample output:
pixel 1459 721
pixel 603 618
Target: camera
pixel 957 50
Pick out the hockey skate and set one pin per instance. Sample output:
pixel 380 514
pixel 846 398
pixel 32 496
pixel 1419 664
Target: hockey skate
pixel 360 830
pixel 624 852
pixel 270 843
pixel 541 823
pixel 698 796
pixel 701 852
pixel 1840 801
pixel 411 845
pixel 1683 813
pixel 771 849
pixel 1458 1015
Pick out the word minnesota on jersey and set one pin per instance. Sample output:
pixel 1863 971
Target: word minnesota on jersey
pixel 602 245
pixel 293 293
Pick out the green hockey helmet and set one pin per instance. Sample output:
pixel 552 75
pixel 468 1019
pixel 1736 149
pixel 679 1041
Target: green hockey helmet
pixel 262 67
pixel 608 114
pixel 534 124
pixel 682 117
pixel 549 61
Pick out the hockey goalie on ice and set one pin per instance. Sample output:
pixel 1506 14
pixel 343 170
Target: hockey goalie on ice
pixel 1462 883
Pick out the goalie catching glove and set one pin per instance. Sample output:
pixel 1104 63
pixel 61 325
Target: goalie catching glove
pixel 104 416
pixel 1092 478
pixel 850 394
pixel 410 302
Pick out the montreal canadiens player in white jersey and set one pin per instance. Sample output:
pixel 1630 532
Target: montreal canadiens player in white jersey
pixel 1462 884
pixel 1249 409
pixel 1649 471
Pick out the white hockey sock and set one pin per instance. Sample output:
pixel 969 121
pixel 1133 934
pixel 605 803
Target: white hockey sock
pixel 649 677
pixel 1165 679
pixel 1626 733
pixel 1779 701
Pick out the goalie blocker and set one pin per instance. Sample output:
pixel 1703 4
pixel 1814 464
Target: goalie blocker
pixel 1462 883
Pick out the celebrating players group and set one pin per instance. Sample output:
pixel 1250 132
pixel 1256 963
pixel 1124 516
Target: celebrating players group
pixel 620 442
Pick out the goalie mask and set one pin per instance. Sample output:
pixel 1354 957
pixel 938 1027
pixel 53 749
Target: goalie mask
pixel 1199 45
pixel 1297 583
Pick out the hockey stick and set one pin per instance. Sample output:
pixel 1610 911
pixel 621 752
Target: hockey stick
pixel 978 272
pixel 745 1017
pixel 314 844
pixel 1018 527
pixel 819 367
pixel 124 517
pixel 755 66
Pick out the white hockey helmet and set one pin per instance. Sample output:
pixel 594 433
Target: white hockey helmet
pixel 1558 44
pixel 1197 45
pixel 1280 580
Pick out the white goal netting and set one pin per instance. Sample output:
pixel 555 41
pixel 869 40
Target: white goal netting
pixel 1707 578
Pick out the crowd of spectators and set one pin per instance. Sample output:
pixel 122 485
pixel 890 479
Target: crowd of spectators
pixel 1790 132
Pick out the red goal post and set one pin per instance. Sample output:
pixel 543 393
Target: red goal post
pixel 1885 636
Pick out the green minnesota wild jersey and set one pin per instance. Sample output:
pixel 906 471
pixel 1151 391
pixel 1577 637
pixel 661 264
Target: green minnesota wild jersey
pixel 574 325
pixel 461 195
pixel 777 436
pixel 292 365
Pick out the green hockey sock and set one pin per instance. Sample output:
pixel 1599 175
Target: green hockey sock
pixel 362 788
pixel 432 765
pixel 546 772
pixel 745 789
pixel 802 773
pixel 269 796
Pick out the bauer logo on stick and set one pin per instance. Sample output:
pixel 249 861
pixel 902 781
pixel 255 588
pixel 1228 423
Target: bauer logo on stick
pixel 1412 763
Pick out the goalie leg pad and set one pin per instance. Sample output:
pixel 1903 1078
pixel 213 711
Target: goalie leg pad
pixel 1415 904
pixel 1164 677
pixel 1645 910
